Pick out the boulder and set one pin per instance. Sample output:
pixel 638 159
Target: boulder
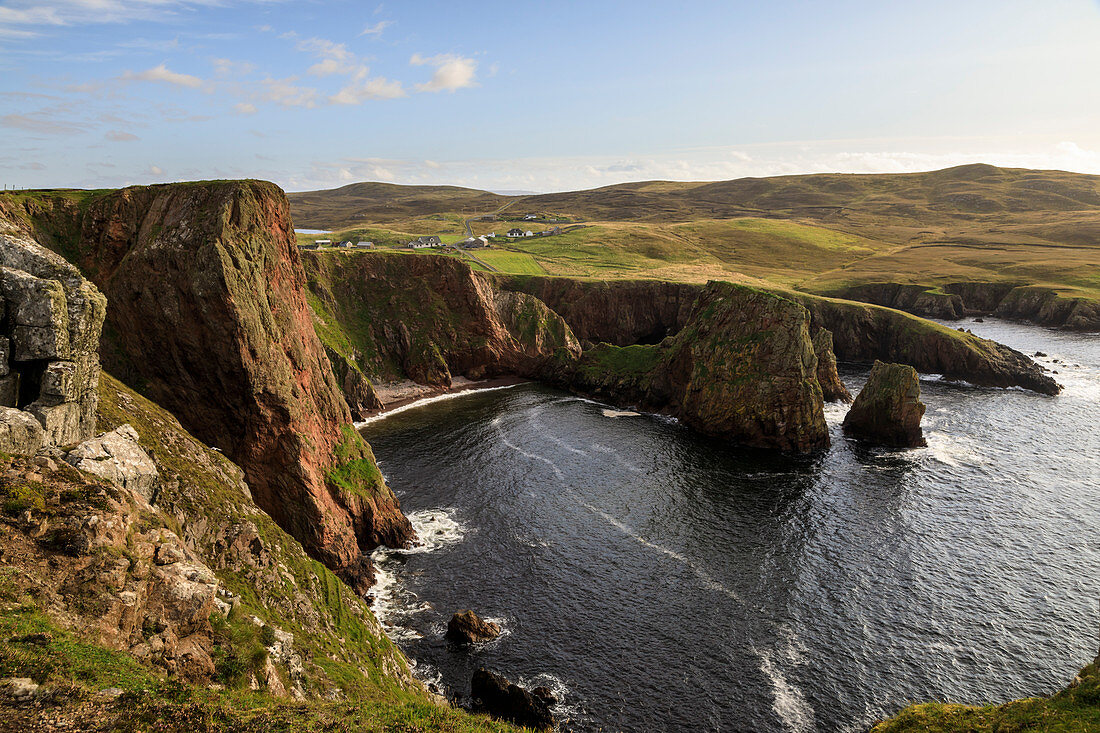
pixel 465 627
pixel 503 700
pixel 888 409
pixel 117 457
pixel 20 689
pixel 832 389
pixel 20 433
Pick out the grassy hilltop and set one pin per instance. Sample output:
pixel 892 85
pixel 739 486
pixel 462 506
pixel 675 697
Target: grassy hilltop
pixel 818 233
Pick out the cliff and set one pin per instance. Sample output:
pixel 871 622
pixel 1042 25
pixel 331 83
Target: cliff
pixel 207 315
pixel 428 319
pixel 832 388
pixel 1044 306
pixel 618 312
pixel 866 333
pixel 742 368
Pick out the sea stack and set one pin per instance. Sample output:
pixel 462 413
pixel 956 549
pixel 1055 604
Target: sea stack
pixel 832 389
pixel 888 409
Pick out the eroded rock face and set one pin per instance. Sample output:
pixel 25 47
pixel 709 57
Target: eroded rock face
pixel 208 312
pixel 20 432
pixel 832 388
pixel 503 700
pixel 888 409
pixel 466 627
pixel 49 341
pixel 432 318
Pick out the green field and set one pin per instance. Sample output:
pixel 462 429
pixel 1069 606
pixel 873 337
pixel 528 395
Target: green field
pixel 818 233
pixel 516 263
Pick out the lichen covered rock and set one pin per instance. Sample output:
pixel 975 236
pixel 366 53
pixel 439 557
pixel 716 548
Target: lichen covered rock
pixel 888 409
pixel 117 457
pixel 49 338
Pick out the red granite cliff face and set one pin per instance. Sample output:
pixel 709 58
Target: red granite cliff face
pixel 207 314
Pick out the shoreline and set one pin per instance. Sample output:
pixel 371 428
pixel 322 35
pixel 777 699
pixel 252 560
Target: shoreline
pixel 407 395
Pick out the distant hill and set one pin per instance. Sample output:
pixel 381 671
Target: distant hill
pixel 381 203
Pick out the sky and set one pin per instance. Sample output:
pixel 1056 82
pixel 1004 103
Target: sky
pixel 539 96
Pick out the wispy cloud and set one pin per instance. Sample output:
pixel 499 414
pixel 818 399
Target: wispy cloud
pixel 119 136
pixel 377 28
pixel 451 72
pixel 163 75
pixel 244 108
pixel 38 124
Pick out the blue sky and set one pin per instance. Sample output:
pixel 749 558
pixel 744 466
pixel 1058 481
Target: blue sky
pixel 539 96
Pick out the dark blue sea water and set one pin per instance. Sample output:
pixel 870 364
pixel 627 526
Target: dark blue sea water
pixel 661 580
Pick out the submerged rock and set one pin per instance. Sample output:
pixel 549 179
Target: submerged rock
pixel 465 627
pixel 832 389
pixel 888 409
pixel 503 700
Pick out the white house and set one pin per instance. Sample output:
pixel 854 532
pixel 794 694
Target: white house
pixel 515 232
pixel 364 245
pixel 322 242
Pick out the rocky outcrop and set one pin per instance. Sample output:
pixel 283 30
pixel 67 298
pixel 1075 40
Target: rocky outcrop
pixel 621 312
pixel 865 333
pixel 1043 306
pixel 20 432
pixel 504 700
pixel 743 369
pixel 49 340
pixel 116 457
pixel 1046 307
pixel 832 388
pixel 888 409
pixel 466 627
pixel 208 314
pixel 429 318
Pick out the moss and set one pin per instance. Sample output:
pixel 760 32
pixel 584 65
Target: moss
pixel 17 497
pixel 357 473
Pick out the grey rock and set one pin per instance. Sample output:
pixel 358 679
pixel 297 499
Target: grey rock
pixel 20 433
pixel 9 390
pixel 21 688
pixel 117 457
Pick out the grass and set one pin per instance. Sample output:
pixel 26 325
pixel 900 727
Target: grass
pixel 514 263
pixel 1075 709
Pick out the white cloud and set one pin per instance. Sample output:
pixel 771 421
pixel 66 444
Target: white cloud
pixel 376 88
pixel 244 108
pixel 286 93
pixel 156 170
pixel 377 28
pixel 333 67
pixel 229 67
pixel 163 75
pixel 451 72
pixel 119 136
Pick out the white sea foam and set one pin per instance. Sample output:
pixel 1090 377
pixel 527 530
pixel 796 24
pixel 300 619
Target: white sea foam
pixel 620 413
pixel 431 400
pixel 788 701
pixel 504 439
pixel 392 602
pixel 617 456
